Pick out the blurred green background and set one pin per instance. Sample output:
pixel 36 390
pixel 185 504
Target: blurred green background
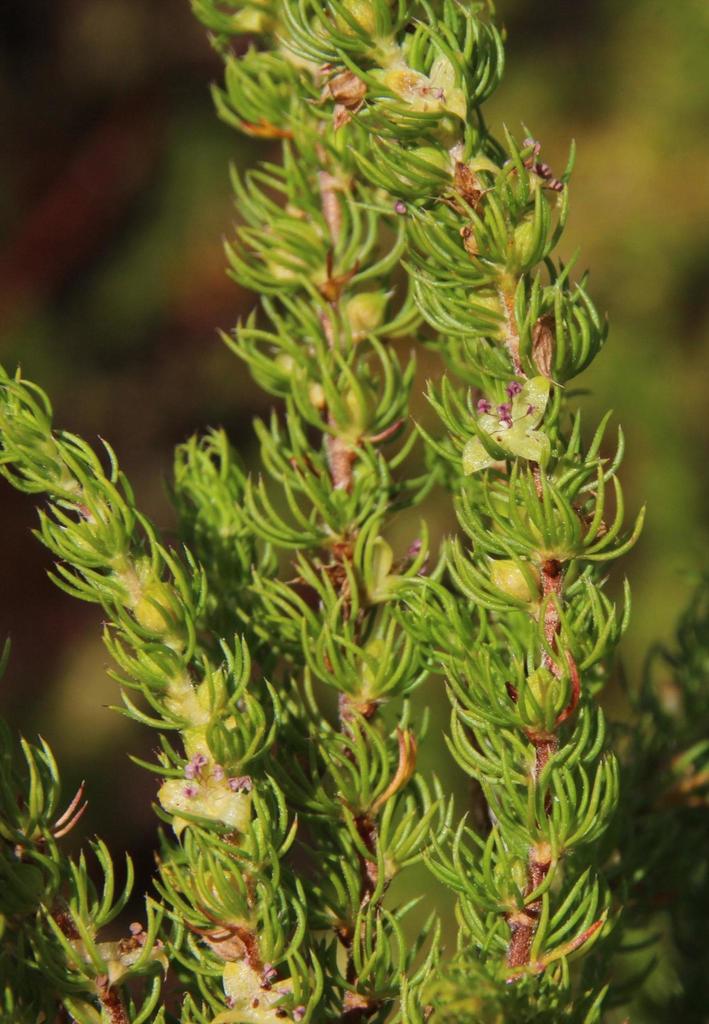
pixel 114 198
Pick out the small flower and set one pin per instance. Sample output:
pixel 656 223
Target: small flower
pixel 511 430
pixel 484 406
pixel 190 791
pixel 413 553
pixel 218 772
pixel 138 937
pixel 414 549
pixel 195 765
pixel 299 1013
pixel 513 388
pixel 539 168
pixel 536 146
pixel 268 975
pixel 240 784
pixel 505 412
pixel 400 207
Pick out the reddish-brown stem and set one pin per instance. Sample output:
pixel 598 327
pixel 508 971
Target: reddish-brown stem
pixel 330 203
pixel 340 454
pixel 366 826
pixel 552 582
pixel 511 339
pixel 538 966
pixel 66 924
pixel 328 329
pixel 544 748
pixel 111 1001
pixel 367 830
pixel 341 458
pixel 523 924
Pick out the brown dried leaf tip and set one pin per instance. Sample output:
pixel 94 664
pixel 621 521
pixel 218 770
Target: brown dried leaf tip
pixel 543 338
pixel 348 91
pixel 333 286
pixel 405 768
pixel 469 243
pixel 468 186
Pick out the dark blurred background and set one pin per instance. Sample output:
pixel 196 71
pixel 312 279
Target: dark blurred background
pixel 114 198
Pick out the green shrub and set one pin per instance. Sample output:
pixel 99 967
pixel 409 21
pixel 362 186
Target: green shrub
pixel 277 650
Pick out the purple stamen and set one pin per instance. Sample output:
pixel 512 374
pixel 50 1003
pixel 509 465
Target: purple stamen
pixel 195 765
pixel 268 975
pixel 483 405
pixel 240 784
pixel 505 414
pixel 513 388
pixel 414 549
pixel 536 146
pixel 531 409
pixel 190 791
pixel 218 772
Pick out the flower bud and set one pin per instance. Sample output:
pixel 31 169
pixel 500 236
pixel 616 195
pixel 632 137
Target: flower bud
pixel 365 312
pixel 379 580
pixel 541 700
pixel 507 576
pixel 518 871
pixel 363 13
pixel 487 305
pixel 285 362
pixel 438 158
pixel 353 424
pixel 539 684
pixel 154 608
pixel 524 243
pixel 252 21
pixel 316 394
